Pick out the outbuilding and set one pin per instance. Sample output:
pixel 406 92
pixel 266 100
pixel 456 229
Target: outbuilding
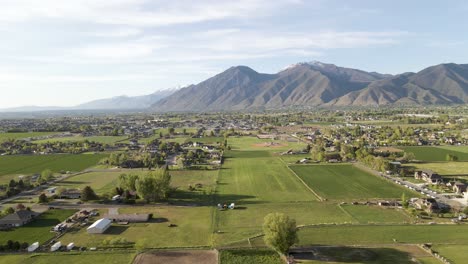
pixel 100 226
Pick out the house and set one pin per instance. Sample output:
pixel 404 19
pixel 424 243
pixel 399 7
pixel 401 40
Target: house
pixel 71 194
pixel 429 205
pixel 459 187
pixel 18 218
pixel 428 176
pixel 130 218
pixel 99 227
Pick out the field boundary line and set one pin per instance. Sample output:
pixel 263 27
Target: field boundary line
pixel 348 213
pixel 303 182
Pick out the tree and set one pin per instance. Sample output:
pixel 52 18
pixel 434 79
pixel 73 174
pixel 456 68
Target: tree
pixel 88 194
pixel 404 201
pixel 46 175
pixel 451 157
pixel 128 182
pixel 8 211
pixel 154 186
pixel 43 198
pixel 280 232
pixel 20 207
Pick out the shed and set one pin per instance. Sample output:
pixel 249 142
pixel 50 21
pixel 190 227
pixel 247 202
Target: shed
pixel 100 226
pixel 131 218
pixel 33 247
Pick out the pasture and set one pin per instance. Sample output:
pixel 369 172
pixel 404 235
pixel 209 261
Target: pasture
pixel 254 143
pixel 23 135
pixel 110 140
pixel 101 182
pixel 70 258
pixel 458 254
pixel 448 169
pixel 246 256
pixel 346 182
pixel 255 176
pixel 193 228
pixel 429 154
pixel 28 164
pixel 375 214
pixel 37 230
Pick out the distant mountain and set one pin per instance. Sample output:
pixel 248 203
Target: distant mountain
pixel 320 84
pixel 126 102
pixel 118 102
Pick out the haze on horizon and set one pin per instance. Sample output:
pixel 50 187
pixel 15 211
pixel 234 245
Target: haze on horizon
pixel 63 53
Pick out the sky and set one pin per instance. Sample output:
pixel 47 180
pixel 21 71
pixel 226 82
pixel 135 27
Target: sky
pixel 62 53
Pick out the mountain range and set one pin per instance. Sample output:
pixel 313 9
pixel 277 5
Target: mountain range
pixel 306 84
pixel 320 84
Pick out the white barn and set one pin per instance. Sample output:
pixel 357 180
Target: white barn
pixel 100 226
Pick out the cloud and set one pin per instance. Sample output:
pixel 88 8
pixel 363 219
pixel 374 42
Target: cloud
pixel 116 33
pixel 137 12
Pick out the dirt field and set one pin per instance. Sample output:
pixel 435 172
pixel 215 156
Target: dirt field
pixel 268 145
pixel 178 257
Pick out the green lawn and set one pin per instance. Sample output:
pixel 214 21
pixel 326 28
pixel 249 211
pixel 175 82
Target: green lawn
pixel 7 136
pixel 253 143
pixel 193 228
pixel 255 176
pixel 239 256
pixel 444 168
pixel 426 153
pixel 27 164
pixel 100 139
pixel 101 182
pixel 346 182
pixel 38 230
pixel 70 258
pixel 458 254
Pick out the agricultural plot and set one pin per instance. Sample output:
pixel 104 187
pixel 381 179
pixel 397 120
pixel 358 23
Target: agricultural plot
pixel 255 176
pixel 457 254
pixel 436 153
pixel 239 256
pixel 70 258
pixel 28 164
pixel 254 143
pixel 111 140
pixel 345 182
pixel 192 228
pixel 8 136
pixel 247 219
pixel 37 230
pixel 372 235
pixel 448 169
pixel 101 182
pixel 374 214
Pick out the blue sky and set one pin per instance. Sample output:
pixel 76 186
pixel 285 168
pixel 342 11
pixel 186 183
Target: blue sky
pixel 55 52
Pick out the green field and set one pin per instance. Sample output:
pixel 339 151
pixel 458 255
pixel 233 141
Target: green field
pixel 457 254
pixel 437 153
pixel 346 182
pixel 193 228
pixel 445 169
pixel 37 230
pixel 70 258
pixel 239 256
pixel 101 182
pixel 375 214
pixel 253 143
pixel 7 136
pixel 28 164
pixel 255 176
pixel 100 139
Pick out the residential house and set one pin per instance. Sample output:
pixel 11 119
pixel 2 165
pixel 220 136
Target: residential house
pixel 428 176
pixel 428 204
pixel 459 187
pixel 17 218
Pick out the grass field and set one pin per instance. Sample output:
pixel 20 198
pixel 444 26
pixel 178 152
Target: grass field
pixel 338 182
pixel 27 164
pixel 37 230
pixel 445 169
pixel 70 258
pixel 100 139
pixel 7 136
pixel 436 153
pixel 255 176
pixel 193 228
pixel 101 182
pixel 375 214
pixel 458 254
pixel 240 256
pixel 253 143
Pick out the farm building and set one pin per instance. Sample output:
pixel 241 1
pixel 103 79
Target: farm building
pixel 99 227
pixel 18 218
pixel 71 194
pixel 130 218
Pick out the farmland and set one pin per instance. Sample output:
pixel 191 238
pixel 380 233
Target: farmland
pixel 23 135
pixel 101 182
pixel 338 182
pixel 249 257
pixel 436 153
pixel 100 139
pixel 38 230
pixel 71 258
pixel 27 164
pixel 455 253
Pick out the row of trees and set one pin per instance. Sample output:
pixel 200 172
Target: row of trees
pixel 153 186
